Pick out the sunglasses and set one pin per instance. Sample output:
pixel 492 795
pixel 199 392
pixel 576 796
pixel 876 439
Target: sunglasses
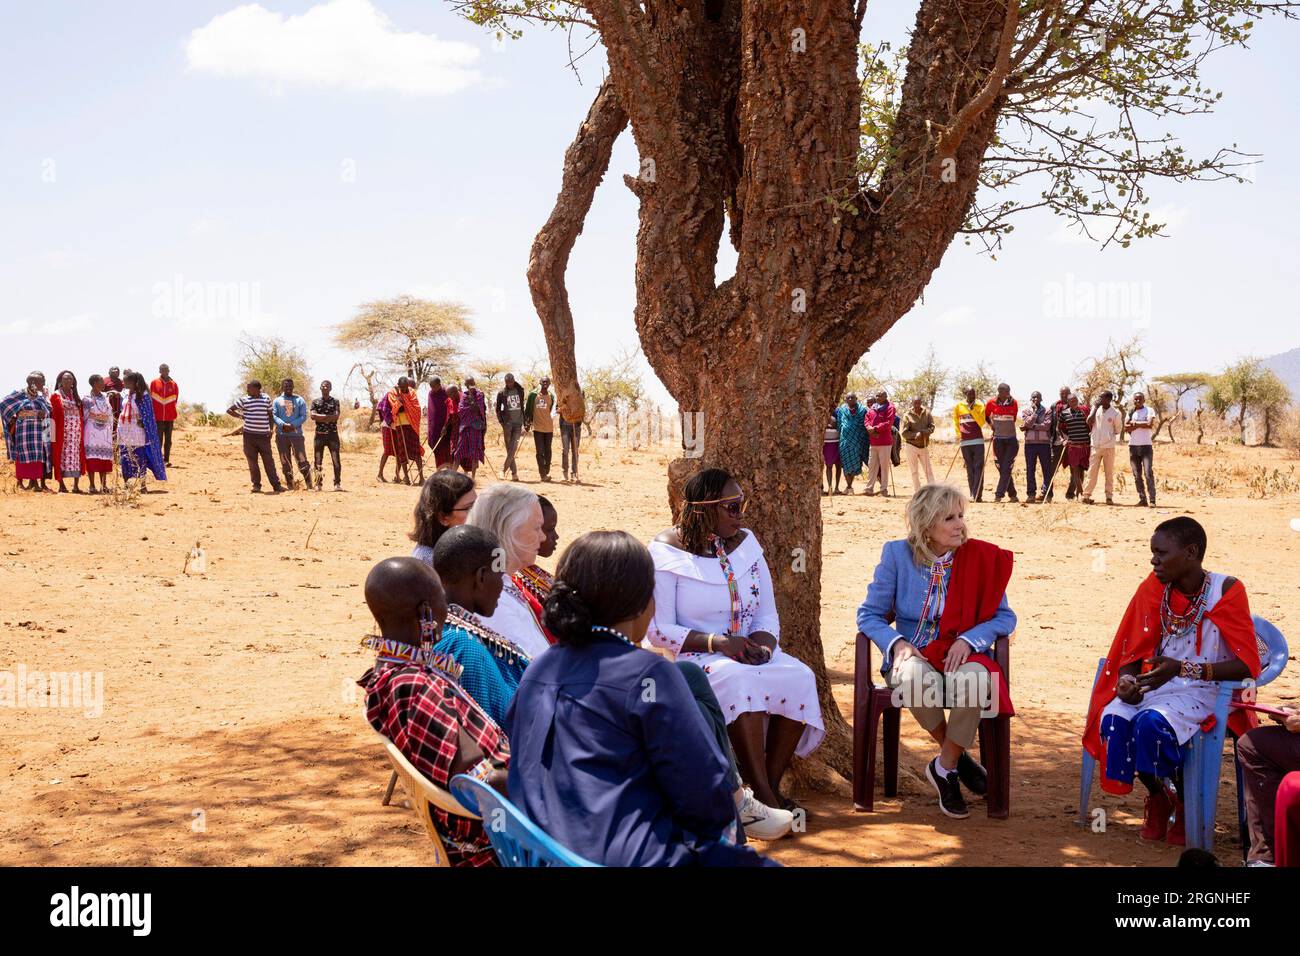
pixel 734 506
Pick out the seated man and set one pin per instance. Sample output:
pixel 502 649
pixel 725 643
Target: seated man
pixel 413 698
pixel 1270 769
pixel 491 665
pixel 1185 629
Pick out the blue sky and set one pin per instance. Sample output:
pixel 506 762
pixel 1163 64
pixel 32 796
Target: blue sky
pixel 164 192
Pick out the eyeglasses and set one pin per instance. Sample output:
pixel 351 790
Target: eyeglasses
pixel 734 506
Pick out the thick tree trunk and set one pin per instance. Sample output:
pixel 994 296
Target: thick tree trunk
pixel 749 112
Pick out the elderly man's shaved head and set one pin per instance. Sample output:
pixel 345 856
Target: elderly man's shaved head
pixel 397 591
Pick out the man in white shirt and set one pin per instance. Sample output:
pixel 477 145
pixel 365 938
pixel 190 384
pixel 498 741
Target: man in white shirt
pixel 1106 424
pixel 1141 449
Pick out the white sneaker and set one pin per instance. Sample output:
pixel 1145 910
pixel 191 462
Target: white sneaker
pixel 763 822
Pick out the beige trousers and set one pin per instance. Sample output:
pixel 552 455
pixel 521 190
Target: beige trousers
pixel 915 674
pixel 918 457
pixel 1101 457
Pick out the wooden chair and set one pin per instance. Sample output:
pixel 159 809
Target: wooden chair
pixel 425 795
pixel 873 701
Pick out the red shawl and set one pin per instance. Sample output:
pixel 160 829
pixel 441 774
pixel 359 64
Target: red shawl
pixel 57 413
pixel 1136 640
pixel 409 402
pixel 978 582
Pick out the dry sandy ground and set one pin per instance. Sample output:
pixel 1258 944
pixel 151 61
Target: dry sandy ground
pixel 231 730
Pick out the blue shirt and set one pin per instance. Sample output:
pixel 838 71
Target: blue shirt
pixel 280 412
pixel 610 755
pixel 491 669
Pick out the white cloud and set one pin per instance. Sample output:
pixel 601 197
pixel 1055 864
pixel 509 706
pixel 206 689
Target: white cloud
pixel 344 44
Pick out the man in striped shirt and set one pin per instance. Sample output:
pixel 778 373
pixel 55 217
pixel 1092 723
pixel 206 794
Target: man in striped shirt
pixel 1073 423
pixel 968 420
pixel 1002 413
pixel 254 409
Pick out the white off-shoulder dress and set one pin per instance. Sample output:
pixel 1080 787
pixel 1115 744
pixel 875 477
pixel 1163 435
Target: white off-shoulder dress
pixel 691 594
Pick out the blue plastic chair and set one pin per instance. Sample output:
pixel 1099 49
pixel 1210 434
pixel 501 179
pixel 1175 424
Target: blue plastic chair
pixel 518 841
pixel 1203 754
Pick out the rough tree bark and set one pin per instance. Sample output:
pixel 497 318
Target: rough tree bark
pixel 748 112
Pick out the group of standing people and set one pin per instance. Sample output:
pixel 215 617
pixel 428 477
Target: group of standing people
pixel 1072 433
pixel 456 427
pixel 61 435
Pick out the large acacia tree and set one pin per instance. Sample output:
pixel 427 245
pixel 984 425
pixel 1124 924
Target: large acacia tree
pixel 841 171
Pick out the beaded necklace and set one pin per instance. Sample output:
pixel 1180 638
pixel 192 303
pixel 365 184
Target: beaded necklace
pixel 388 651
pixel 927 628
pixel 599 628
pixel 1171 623
pixel 499 645
pixel 733 589
pixel 536 580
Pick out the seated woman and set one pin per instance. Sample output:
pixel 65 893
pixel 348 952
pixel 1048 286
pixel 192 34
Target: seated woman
pixel 491 665
pixel 535 579
pixel 715 607
pixel 609 752
pixel 514 515
pixel 937 602
pixel 445 501
pixel 1185 629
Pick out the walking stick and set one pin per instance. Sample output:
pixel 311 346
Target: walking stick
pixel 955 453
pixel 1051 479
pixel 988 447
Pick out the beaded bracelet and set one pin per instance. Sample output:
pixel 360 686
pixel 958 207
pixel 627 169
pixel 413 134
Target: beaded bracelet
pixel 1192 670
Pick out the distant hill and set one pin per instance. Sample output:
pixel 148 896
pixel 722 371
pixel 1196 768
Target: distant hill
pixel 1287 367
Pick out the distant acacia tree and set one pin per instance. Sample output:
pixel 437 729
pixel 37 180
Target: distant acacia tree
pixel 406 335
pixel 981 378
pixel 1179 386
pixel 927 381
pixel 270 361
pixel 1247 388
pixel 1115 371
pixel 863 382
pixel 1274 398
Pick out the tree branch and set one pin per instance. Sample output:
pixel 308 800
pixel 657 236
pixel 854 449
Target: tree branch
pixel 585 163
pixel 952 137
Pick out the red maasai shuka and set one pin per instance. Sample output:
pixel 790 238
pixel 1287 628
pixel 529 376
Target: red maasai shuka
pixel 1136 640
pixel 978 582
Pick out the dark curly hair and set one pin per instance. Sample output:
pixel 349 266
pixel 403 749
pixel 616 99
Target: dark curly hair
pixel 603 578
pixel 696 523
pixel 439 495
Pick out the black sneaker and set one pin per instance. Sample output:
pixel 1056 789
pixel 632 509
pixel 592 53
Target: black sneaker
pixel 948 788
pixel 972 776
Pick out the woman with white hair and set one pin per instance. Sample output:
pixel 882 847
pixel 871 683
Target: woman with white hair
pixel 514 515
pixel 937 603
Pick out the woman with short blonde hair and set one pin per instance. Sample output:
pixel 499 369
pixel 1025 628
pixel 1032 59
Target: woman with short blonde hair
pixel 514 515
pixel 936 604
pixel 928 505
